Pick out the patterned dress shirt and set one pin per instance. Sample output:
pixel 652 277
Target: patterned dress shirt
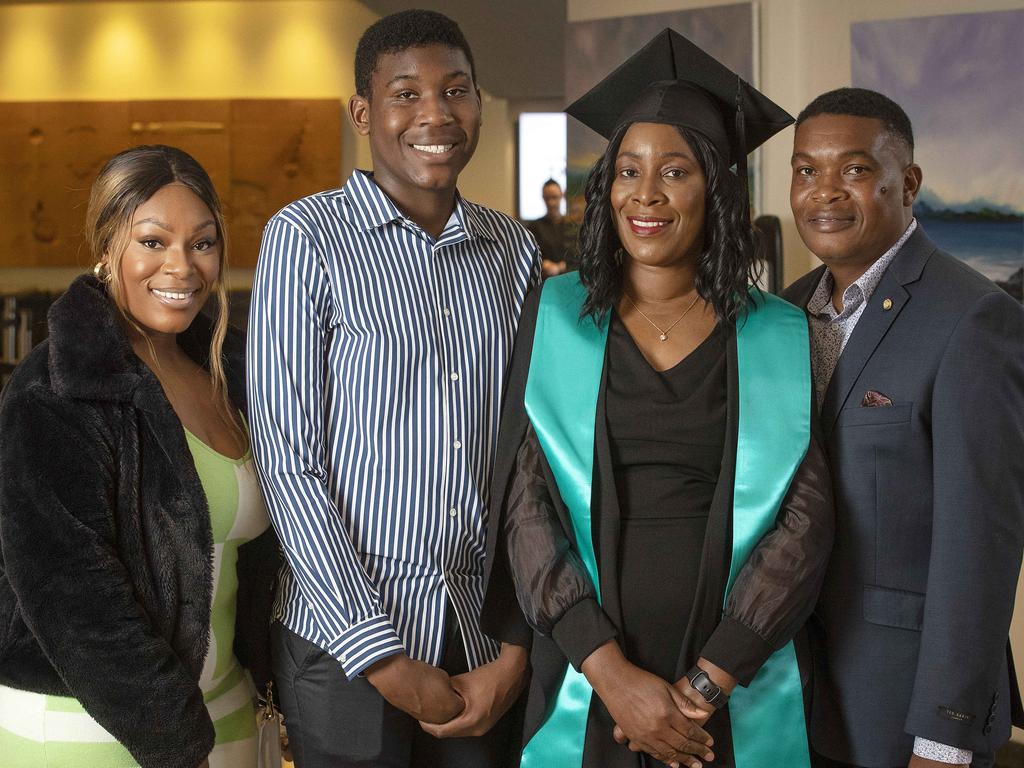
pixel 377 357
pixel 831 329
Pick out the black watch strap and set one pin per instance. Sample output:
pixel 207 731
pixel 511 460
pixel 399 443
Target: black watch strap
pixel 712 693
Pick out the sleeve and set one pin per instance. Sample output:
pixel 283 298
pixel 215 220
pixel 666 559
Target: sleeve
pixel 288 334
pixel 776 590
pixel 58 483
pixel 942 753
pixel 551 583
pixel 977 419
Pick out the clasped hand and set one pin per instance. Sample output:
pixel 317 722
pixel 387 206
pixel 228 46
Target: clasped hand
pixel 651 715
pixel 420 690
pixel 488 692
pixel 464 705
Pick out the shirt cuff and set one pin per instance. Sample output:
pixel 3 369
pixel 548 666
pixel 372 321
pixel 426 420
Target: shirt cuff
pixel 364 644
pixel 933 750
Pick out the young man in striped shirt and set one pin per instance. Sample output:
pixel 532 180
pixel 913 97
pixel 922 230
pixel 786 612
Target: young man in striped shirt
pixel 382 321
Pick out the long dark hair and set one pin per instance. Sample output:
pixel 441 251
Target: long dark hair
pixel 732 251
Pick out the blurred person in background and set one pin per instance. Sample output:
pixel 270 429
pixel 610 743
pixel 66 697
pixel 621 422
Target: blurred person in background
pixel 554 233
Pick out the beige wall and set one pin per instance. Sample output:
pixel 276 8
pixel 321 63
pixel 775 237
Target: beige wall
pixel 805 51
pixel 216 49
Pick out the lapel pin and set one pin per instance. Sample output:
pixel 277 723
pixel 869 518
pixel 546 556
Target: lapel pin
pixel 887 304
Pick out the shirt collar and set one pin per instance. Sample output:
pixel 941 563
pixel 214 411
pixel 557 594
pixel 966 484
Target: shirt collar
pixel 366 206
pixel 861 289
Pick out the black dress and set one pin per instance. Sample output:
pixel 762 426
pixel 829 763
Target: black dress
pixel 538 593
pixel 667 433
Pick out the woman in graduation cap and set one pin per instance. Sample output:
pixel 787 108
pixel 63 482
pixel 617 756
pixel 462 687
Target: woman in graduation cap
pixel 661 508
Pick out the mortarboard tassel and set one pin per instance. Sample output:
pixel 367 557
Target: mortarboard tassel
pixel 741 146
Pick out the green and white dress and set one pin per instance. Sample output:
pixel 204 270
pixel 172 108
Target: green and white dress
pixel 40 731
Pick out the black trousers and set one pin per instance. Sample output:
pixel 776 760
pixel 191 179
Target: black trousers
pixel 336 723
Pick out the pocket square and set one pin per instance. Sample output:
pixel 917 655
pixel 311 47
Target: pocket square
pixel 874 399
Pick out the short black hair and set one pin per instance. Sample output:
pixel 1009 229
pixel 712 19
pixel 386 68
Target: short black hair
pixel 549 182
pixel 861 102
pixel 400 31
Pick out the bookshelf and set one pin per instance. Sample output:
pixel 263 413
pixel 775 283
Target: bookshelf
pixel 22 326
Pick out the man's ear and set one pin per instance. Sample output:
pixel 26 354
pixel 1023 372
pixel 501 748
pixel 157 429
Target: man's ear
pixel 359 114
pixel 911 184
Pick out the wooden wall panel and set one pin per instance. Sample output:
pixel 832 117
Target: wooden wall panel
pixel 275 161
pixel 261 154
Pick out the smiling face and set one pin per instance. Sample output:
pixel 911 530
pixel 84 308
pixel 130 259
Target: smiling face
pixel 657 198
pixel 172 259
pixel 422 116
pixel 852 189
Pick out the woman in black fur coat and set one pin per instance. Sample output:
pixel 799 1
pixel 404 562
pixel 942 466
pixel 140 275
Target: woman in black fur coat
pixel 137 559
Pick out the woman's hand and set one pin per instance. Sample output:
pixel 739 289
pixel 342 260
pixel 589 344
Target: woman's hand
pixel 718 676
pixel 652 715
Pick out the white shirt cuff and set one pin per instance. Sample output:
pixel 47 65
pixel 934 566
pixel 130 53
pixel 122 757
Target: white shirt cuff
pixel 933 750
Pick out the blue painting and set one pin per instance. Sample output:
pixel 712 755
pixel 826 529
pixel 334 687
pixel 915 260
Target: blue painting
pixel 961 80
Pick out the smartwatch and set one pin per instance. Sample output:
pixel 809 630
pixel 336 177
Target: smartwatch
pixel 712 693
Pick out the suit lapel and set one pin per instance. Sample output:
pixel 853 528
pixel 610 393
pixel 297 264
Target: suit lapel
pixel 870 330
pixel 874 323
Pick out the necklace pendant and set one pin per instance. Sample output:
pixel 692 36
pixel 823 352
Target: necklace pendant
pixel 664 337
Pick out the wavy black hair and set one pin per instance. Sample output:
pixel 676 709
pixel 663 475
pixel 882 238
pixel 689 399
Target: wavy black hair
pixel 732 250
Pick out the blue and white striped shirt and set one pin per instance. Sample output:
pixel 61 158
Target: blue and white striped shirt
pixel 377 359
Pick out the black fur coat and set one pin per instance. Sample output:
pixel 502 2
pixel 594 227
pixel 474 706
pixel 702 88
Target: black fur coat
pixel 106 570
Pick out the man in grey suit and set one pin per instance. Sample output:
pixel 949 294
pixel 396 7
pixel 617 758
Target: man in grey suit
pixel 919 371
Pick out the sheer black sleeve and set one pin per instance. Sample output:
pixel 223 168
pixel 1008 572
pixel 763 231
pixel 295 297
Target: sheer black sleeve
pixel 551 583
pixel 777 588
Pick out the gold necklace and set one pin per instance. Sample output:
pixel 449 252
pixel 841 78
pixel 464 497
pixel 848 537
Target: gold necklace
pixel 663 332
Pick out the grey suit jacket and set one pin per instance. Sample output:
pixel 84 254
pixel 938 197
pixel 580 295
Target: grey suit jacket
pixel 910 634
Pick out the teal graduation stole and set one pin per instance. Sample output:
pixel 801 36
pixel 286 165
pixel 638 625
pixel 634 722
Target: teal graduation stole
pixel 774 431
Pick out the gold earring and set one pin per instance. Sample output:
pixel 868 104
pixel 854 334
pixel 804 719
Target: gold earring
pixel 101 273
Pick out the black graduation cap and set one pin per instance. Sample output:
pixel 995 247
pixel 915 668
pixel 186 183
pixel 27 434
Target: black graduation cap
pixel 670 80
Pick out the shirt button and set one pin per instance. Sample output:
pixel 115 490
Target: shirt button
pixel 454 376
pixel 446 312
pixel 457 444
pixel 453 512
